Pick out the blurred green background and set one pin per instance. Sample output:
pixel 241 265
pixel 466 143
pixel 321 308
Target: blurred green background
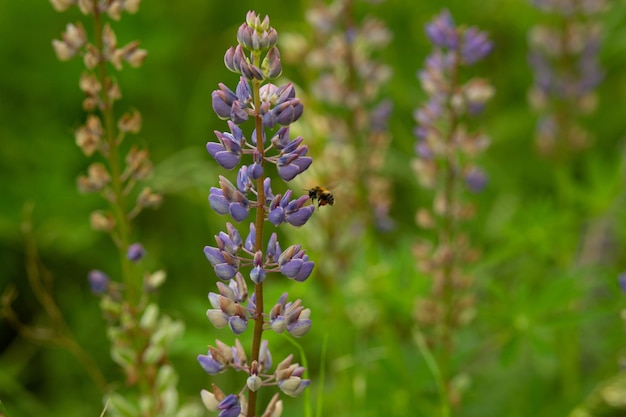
pixel 547 330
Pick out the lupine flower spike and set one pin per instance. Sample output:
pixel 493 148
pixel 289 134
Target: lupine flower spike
pixel 445 162
pixel 258 115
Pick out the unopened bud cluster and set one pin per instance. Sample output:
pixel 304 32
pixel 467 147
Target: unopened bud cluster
pixel 445 162
pixel 100 95
pixel 265 111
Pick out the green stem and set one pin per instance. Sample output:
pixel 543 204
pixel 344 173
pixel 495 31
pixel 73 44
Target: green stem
pixel 448 232
pixel 118 204
pixel 258 244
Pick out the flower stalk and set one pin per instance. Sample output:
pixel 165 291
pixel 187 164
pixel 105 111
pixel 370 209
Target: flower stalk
pixel 140 335
pixel 270 110
pixel 445 163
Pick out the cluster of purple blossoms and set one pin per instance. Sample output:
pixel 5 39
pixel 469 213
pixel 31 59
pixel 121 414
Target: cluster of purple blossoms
pixel 564 58
pixel 270 109
pixel 437 131
pixel 445 162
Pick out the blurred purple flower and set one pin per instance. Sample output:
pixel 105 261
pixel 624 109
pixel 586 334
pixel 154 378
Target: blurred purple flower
pixel 475 179
pixel 98 281
pixel 135 252
pixel 621 280
pixel 442 32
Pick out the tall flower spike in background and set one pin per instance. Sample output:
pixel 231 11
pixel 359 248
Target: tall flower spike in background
pixel 564 57
pixel 446 153
pixel 140 335
pixel 350 118
pixel 259 114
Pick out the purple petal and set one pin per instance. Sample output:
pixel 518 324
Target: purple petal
pixel 299 328
pixel 301 216
pixel 277 216
pixel 304 272
pixel 214 255
pixel 225 271
pixel 230 406
pixel 292 268
pixel 303 163
pixel 214 147
pixel 243 90
pixel 220 108
pixel 227 159
pixel 293 145
pixel 237 324
pixel 210 365
pixel 217 201
pixel 255 171
pixel 257 274
pixel 238 114
pixel 251 238
pixel 238 212
pixel 288 172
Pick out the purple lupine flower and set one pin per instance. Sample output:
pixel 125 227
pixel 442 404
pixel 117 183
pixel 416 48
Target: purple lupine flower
pixel 295 264
pixel 442 32
pixel 210 364
pixel 294 212
pixel 476 45
pixel 229 200
pixel 289 377
pixel 243 180
pixel 273 249
pixel 289 316
pixel 293 386
pixel 564 59
pixel 293 164
pixel 135 252
pixel 229 406
pixel 98 281
pixel 222 101
pixel 273 105
pixel 257 274
pixel 227 311
pixel 224 264
pixel 476 179
pixel 250 239
pixel 228 151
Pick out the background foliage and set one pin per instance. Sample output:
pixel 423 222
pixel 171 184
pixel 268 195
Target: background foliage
pixel 547 331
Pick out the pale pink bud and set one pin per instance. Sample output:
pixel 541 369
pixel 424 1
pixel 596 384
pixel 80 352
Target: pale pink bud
pixel 89 135
pixel 62 50
pixel 89 84
pixel 130 122
pixel 148 199
pixel 115 10
pixel 98 175
pixel 114 92
pixel 131 6
pixel 86 6
pixel 91 57
pixel 136 58
pixel 116 57
pixel 101 221
pixel 62 5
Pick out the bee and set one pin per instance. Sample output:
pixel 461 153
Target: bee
pixel 322 195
